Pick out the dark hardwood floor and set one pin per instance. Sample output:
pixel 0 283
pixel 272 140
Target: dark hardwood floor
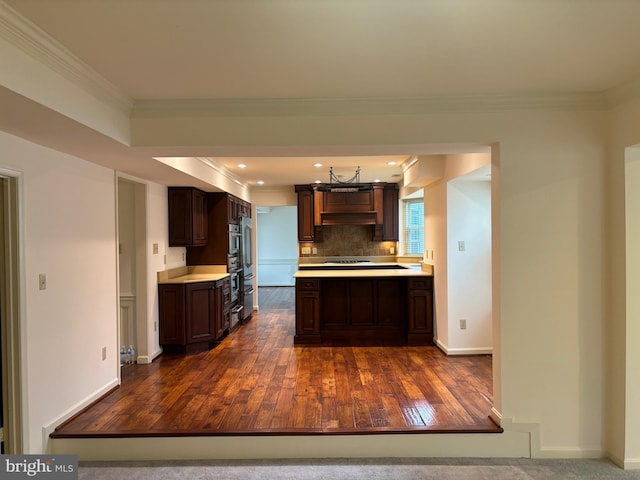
pixel 257 382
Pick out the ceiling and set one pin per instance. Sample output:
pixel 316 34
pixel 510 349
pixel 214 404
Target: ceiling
pixel 344 49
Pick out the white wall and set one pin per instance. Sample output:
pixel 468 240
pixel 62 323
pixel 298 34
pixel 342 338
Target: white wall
pixel 632 204
pixel 469 270
pixel 446 218
pixel 69 231
pixel 277 246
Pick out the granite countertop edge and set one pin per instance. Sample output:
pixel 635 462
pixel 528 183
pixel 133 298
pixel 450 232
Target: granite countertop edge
pixel 192 274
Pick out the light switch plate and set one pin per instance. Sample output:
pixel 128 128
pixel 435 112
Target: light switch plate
pixel 42 281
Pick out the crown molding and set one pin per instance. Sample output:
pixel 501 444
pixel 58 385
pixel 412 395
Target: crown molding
pixel 623 93
pixel 241 107
pixel 35 42
pixel 221 170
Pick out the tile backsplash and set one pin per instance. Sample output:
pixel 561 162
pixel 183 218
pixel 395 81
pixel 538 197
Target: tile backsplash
pixel 348 241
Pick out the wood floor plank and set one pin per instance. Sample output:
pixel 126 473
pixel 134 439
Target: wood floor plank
pixel 257 381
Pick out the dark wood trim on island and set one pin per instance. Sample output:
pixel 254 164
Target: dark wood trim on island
pixel 375 306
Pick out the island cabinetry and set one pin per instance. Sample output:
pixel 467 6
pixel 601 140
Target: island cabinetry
pixel 187 217
pixel 367 309
pixel 193 315
pixel 420 304
pixel 359 309
pixel 307 310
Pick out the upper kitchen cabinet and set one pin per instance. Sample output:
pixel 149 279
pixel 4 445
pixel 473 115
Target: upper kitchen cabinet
pixel 373 204
pixel 390 223
pixel 187 217
pixel 223 209
pixel 306 225
pixel 236 208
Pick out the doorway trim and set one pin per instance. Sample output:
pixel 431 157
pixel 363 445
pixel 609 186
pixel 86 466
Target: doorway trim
pixel 12 306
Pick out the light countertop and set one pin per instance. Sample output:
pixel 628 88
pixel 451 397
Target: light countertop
pixel 420 270
pixel 193 274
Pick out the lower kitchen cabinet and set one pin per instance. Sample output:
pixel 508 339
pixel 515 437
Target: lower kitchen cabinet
pixel 420 304
pixel 193 315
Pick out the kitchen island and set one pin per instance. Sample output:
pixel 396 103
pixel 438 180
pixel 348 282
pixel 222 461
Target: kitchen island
pixel 371 303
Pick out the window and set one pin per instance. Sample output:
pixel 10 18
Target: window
pixel 413 227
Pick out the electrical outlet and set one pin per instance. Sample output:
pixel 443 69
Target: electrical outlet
pixel 463 324
pixel 392 250
pixel 461 246
pixel 306 250
pixel 104 353
pixel 155 248
pixel 155 326
pixel 42 281
pixel 315 251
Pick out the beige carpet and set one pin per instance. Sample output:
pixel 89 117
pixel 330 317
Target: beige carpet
pixel 356 469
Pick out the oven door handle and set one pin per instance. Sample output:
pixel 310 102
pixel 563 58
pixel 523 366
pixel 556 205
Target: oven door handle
pixel 250 276
pixel 250 292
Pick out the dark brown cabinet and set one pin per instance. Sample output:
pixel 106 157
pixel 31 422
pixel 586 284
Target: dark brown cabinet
pixel 306 223
pixel 308 310
pixel 382 310
pixel 390 223
pixel 377 207
pixel 222 210
pixel 193 315
pixel 420 304
pixel 187 217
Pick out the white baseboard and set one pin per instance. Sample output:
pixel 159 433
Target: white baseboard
pixel 569 453
pixel 464 351
pixel 146 359
pixel 632 464
pixel 52 425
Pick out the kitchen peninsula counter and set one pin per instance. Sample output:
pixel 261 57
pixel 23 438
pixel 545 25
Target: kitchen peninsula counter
pixel 374 303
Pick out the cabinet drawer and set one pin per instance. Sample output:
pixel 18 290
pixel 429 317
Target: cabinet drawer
pixel 308 284
pixel 420 283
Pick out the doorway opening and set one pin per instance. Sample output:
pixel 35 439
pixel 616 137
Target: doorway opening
pixel 132 270
pixel 11 386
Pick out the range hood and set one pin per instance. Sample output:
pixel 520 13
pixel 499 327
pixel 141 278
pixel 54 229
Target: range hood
pixel 345 188
pixel 373 204
pixel 348 218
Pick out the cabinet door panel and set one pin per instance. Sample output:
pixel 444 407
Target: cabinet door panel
pixel 334 303
pixel 199 312
pixel 306 227
pixel 361 294
pixel 200 231
pixel 171 309
pixel 390 300
pixel 307 313
pixel 421 311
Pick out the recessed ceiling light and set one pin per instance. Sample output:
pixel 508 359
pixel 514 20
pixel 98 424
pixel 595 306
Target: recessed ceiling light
pixel 377 180
pixel 318 181
pixel 260 182
pixel 242 165
pixel 317 165
pixel 392 163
